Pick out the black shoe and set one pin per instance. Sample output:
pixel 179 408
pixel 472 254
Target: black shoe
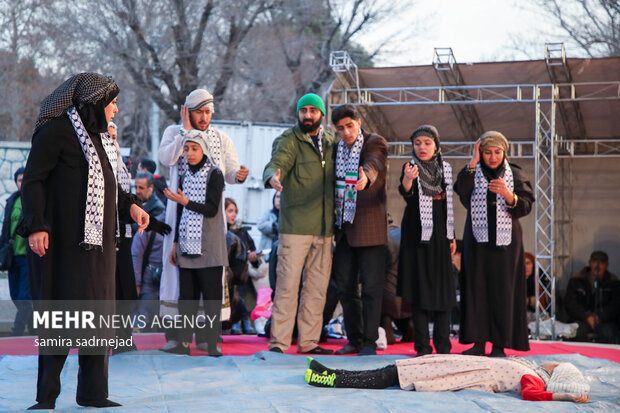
pixel 497 352
pixel 43 406
pixel 476 350
pixel 348 349
pixel 276 350
pixel 319 350
pixel 423 353
pixel 179 349
pixel 367 351
pixel 97 403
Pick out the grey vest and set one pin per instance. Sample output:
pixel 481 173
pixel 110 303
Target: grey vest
pixel 214 253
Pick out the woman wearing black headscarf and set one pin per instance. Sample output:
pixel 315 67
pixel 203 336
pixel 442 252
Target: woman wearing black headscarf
pixel 496 195
pixel 425 278
pixel 71 205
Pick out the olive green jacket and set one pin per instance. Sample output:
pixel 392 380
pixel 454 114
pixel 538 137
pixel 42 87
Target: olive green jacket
pixel 307 200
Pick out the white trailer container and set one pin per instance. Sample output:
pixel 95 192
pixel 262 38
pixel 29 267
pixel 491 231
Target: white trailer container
pixel 253 142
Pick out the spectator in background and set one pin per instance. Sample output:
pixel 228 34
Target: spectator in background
pixel 19 286
pixel 126 294
pixel 159 182
pixel 268 226
pixel 146 248
pixel 245 288
pixel 531 287
pixel 593 301
pixel 393 309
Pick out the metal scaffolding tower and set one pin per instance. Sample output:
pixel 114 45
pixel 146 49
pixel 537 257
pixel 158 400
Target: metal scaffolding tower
pixel 347 76
pixel 546 148
pixel 448 72
pixel 559 73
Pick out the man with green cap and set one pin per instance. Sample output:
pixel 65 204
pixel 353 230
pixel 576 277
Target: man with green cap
pixel 302 168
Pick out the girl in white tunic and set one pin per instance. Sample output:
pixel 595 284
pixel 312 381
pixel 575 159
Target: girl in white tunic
pixel 451 372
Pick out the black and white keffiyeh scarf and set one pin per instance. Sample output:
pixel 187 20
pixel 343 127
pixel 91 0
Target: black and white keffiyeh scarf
pixel 430 174
pixel 95 194
pixel 479 218
pixel 347 167
pixel 124 180
pixel 426 202
pixel 190 227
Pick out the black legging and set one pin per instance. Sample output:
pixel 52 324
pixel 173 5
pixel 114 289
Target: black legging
pixel 193 282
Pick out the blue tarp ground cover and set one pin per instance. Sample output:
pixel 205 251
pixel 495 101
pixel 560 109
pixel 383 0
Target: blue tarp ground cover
pixel 270 382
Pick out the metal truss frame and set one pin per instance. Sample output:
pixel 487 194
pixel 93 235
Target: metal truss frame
pixel 449 74
pixel 546 149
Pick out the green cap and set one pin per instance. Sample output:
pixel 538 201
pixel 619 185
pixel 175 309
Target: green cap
pixel 311 99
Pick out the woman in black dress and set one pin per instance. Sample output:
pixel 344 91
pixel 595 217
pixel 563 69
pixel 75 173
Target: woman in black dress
pixel 496 195
pixel 427 241
pixel 71 205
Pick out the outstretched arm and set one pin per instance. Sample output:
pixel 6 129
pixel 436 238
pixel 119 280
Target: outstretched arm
pixel 533 388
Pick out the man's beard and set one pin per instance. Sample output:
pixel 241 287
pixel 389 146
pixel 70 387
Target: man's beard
pixel 198 127
pixel 305 128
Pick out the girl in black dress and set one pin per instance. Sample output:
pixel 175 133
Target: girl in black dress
pixel 427 241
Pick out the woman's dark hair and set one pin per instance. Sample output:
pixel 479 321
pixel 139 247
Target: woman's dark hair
pixel 148 164
pixel 20 171
pixel 229 201
pixel 273 201
pixel 344 111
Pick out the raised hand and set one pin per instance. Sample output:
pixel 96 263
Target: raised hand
pixel 475 157
pixel 179 197
pixel 275 182
pixel 242 173
pixel 498 186
pixel 362 180
pixel 187 124
pixel 411 171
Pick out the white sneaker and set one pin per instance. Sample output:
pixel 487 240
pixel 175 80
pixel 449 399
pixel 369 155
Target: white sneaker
pixel 170 345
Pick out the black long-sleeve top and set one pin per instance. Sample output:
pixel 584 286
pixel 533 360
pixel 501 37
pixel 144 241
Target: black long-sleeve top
pixel 209 209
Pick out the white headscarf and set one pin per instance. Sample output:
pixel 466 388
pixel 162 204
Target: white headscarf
pixel 566 378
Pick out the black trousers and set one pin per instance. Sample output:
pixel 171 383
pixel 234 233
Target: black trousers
pixel 362 314
pixel 192 283
pixel 92 377
pixel 441 331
